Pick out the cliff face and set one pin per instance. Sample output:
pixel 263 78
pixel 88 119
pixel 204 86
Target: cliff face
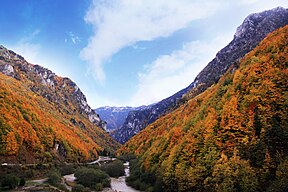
pixel 254 28
pixel 60 91
pixel 114 116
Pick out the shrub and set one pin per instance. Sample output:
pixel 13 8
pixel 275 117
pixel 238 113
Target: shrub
pixel 106 182
pixel 66 169
pixel 139 179
pixel 11 181
pixel 89 177
pixel 22 181
pixel 80 188
pixel 114 169
pixel 127 157
pixel 99 187
pixel 54 177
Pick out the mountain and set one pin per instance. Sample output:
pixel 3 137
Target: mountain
pixel 254 28
pixel 44 114
pixel 54 88
pixel 231 137
pixel 114 116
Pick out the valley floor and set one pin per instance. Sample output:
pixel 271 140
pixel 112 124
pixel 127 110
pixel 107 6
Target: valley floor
pixel 41 184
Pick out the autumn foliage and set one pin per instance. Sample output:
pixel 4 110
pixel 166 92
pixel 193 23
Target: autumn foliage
pixel 34 129
pixel 233 136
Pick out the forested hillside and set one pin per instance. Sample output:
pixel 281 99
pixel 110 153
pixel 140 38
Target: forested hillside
pixel 44 117
pixel 248 35
pixel 232 137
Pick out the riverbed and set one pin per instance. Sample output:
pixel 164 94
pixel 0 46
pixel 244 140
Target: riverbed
pixel 119 184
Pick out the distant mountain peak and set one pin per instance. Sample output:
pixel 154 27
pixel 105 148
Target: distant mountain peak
pixel 230 135
pixel 256 20
pixel 253 29
pixel 114 116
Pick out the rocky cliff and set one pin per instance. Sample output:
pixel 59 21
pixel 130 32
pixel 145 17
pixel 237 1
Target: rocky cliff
pixel 114 116
pixel 254 28
pixel 52 87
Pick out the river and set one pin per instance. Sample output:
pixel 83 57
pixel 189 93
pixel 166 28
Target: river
pixel 117 184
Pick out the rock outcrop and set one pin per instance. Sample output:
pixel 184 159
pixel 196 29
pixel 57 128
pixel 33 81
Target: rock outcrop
pixel 254 29
pixel 114 116
pixel 60 91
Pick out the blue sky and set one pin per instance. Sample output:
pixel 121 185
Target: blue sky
pixel 124 52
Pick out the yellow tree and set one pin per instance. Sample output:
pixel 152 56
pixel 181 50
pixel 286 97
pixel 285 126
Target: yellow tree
pixel 11 144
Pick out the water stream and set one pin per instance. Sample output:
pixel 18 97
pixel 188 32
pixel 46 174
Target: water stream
pixel 119 184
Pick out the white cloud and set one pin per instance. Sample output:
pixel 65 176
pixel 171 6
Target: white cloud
pixel 121 23
pixel 247 2
pixel 96 100
pixel 27 48
pixel 171 73
pixel 263 4
pixel 29 37
pixel 73 38
pixel 137 47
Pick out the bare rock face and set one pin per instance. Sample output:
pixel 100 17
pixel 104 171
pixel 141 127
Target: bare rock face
pixel 253 29
pixel 248 35
pixel 61 91
pixel 114 116
pixel 7 70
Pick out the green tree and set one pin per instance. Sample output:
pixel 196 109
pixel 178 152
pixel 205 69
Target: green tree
pixel 280 183
pixel 276 137
pixel 233 174
pixel 89 177
pixel 11 181
pixel 4 129
pixel 114 169
pixel 257 123
pixel 80 188
pixel 54 177
pixel 22 181
pixel 66 169
pixel 99 187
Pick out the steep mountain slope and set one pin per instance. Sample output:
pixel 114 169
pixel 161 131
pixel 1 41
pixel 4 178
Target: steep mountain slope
pixel 114 116
pixel 44 116
pixel 231 137
pixel 44 82
pixel 254 28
